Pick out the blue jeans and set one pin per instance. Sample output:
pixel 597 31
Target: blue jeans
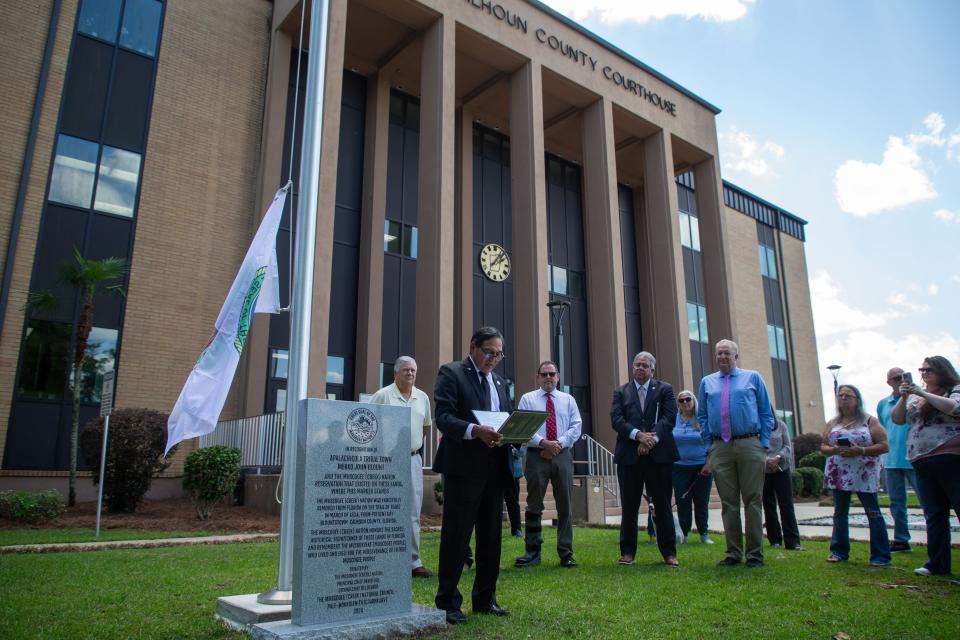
pixel 698 499
pixel 938 478
pixel 897 480
pixel 840 540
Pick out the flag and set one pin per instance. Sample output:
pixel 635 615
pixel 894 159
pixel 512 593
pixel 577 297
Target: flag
pixel 255 290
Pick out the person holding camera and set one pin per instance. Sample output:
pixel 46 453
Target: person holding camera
pixel 854 441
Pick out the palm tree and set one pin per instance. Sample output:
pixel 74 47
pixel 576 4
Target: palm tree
pixel 90 277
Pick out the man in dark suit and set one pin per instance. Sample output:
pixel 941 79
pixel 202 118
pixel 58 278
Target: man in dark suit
pixel 643 414
pixel 475 469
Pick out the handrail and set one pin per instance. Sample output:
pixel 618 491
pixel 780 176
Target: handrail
pixel 600 463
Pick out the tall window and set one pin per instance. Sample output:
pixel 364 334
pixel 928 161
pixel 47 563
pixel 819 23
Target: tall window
pixel 700 353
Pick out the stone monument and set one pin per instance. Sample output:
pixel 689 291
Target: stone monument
pixel 351 558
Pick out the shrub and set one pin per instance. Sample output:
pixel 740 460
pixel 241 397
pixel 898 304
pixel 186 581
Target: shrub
pixel 136 441
pixel 805 443
pixel 797 479
pixel 438 491
pixel 816 460
pixel 31 507
pixel 812 481
pixel 209 475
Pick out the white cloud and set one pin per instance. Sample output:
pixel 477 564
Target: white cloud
pixel 933 289
pixel 954 141
pixel 742 153
pixel 947 216
pixel 833 315
pixel 866 355
pixel 901 300
pixel 956 279
pixel 617 11
pixel 865 188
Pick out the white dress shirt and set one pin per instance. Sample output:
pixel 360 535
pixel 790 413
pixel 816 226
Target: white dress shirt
pixel 566 411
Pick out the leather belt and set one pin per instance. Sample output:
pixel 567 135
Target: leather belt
pixel 755 434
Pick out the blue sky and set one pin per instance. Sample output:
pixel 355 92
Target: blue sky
pixel 847 114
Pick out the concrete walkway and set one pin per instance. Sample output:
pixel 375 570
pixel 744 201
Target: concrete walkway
pixel 61 547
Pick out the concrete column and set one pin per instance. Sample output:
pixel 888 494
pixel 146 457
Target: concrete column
pixel 374 209
pixel 253 372
pixel 463 267
pixel 323 256
pixel 607 324
pixel 661 266
pixel 435 216
pixel 717 270
pixel 531 318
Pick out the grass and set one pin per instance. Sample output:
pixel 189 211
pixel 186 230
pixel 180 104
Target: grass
pixel 57 536
pixel 913 502
pixel 170 593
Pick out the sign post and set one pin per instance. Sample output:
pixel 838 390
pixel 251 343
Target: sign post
pixel 106 408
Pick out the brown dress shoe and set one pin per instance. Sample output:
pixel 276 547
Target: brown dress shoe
pixel 671 561
pixel 422 572
pixel 625 559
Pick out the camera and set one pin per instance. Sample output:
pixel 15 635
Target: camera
pixel 844 441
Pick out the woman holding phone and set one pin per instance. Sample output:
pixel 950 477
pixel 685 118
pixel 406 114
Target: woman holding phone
pixel 854 441
pixel 933 448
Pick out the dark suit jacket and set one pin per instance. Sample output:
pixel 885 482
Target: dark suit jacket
pixel 658 416
pixel 456 395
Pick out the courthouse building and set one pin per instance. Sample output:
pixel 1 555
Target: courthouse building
pixel 480 158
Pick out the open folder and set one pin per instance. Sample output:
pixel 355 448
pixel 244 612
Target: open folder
pixel 517 427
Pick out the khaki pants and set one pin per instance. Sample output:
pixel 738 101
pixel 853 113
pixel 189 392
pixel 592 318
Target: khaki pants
pixel 738 469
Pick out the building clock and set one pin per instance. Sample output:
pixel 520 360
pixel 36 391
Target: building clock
pixel 495 262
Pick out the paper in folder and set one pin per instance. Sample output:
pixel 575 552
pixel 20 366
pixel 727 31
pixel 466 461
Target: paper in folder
pixel 517 427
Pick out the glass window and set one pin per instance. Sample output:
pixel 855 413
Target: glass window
pixel 410 241
pixel 558 280
pixel 695 233
pixel 386 373
pixel 693 322
pixel 335 369
pixel 782 343
pixel 777 339
pixel 702 315
pixel 391 236
pixel 787 417
pixel 771 263
pixel 99 18
pixel 685 229
pixel 762 253
pixel 281 405
pixel 278 363
pixel 141 26
pixel 117 185
pixel 575 285
pixel 73 171
pixel 46 355
pixel 772 340
pixel 99 358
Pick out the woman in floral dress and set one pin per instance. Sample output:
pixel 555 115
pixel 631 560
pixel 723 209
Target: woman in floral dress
pixel 854 441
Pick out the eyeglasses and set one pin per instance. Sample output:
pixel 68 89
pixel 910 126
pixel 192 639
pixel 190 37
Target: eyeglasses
pixel 490 354
pixel 925 370
pixel 846 396
pixel 685 400
pixel 894 378
pixel 548 374
pixel 641 365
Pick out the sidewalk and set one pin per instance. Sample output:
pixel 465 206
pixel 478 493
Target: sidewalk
pixel 59 547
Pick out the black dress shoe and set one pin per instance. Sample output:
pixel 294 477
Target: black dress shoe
pixel 494 610
pixel 529 559
pixel 754 564
pixel 568 562
pixel 728 562
pixel 455 616
pixel 900 546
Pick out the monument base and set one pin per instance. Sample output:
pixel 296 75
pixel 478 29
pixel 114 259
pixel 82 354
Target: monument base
pixel 418 619
pixel 239 612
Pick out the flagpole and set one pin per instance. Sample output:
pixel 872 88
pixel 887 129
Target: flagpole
pixel 302 295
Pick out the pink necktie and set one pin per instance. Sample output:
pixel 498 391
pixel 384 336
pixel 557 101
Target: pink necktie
pixel 725 431
pixel 551 419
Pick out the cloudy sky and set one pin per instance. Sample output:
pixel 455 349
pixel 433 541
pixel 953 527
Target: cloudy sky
pixel 846 114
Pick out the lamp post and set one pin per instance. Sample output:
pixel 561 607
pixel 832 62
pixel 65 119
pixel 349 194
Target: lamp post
pixel 835 371
pixel 558 308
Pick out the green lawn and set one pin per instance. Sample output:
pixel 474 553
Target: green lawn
pixel 51 536
pixel 170 593
pixel 913 502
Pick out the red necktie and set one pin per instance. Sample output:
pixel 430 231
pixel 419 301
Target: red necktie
pixel 551 419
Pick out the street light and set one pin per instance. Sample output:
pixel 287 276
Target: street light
pixel 835 370
pixel 557 310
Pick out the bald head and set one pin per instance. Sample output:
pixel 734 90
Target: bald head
pixel 894 378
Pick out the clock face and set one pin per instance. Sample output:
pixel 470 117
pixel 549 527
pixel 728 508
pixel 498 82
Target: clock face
pixel 495 262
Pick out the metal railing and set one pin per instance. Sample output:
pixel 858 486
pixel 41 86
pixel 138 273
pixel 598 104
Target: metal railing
pixel 259 438
pixel 600 462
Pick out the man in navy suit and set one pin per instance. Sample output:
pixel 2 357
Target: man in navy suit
pixel 475 469
pixel 643 414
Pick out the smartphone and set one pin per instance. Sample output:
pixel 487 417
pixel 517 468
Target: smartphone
pixel 844 441
pixel 908 377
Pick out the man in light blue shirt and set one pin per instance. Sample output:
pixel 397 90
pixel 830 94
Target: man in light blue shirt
pixel 898 471
pixel 734 409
